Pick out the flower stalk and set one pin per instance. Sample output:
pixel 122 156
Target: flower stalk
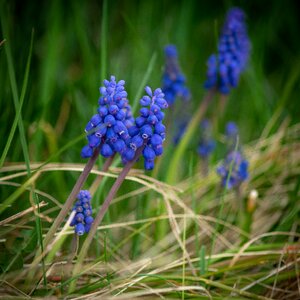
pixel 101 215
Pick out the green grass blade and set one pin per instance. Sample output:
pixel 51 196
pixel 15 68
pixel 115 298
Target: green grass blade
pixel 172 173
pixel 144 82
pixel 14 89
pixel 18 113
pixel 288 89
pixel 14 196
pixel 183 255
pixel 104 26
pixel 39 231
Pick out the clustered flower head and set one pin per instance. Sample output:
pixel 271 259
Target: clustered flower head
pixel 234 170
pixel 207 143
pixel 149 130
pixel 108 129
pixel 114 130
pixel 173 79
pixel 83 219
pixel 225 67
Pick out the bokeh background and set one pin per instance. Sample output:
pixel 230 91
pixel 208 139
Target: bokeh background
pixel 66 68
pixel 76 46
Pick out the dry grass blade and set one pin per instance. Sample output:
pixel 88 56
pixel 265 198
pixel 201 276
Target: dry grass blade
pixel 271 274
pixel 22 213
pixel 268 234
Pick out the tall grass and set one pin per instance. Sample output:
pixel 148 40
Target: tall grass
pixel 204 250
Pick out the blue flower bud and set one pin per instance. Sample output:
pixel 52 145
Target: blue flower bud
pixel 149 164
pixel 133 130
pixel 87 212
pixel 79 217
pixel 120 128
pixel 160 116
pixel 126 138
pixel 128 154
pixel 87 228
pixel 79 229
pixel 95 120
pixel 79 208
pixel 102 111
pixel 140 121
pixel 162 103
pixel 146 131
pixel 155 108
pixel 144 112
pixel 86 151
pixel 111 135
pixel 145 101
pixel 86 205
pixel 136 142
pixel 149 153
pixel 119 146
pixel 156 140
pixel 120 115
pixel 113 109
pixel 152 120
pixel 158 150
pixel 121 103
pixel 94 141
pixel 106 150
pixel 110 120
pixel 160 128
pixel 148 91
pixel 89 220
pixel 89 127
pixel 101 131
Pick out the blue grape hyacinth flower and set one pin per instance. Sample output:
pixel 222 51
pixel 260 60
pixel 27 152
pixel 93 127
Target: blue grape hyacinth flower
pixel 108 129
pixel 207 144
pixel 234 170
pixel 225 67
pixel 173 80
pixel 83 219
pixel 149 131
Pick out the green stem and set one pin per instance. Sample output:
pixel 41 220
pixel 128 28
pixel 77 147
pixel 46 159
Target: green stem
pixel 179 152
pixel 103 59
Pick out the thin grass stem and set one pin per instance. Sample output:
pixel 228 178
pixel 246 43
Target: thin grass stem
pixel 172 173
pixel 225 189
pixel 99 178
